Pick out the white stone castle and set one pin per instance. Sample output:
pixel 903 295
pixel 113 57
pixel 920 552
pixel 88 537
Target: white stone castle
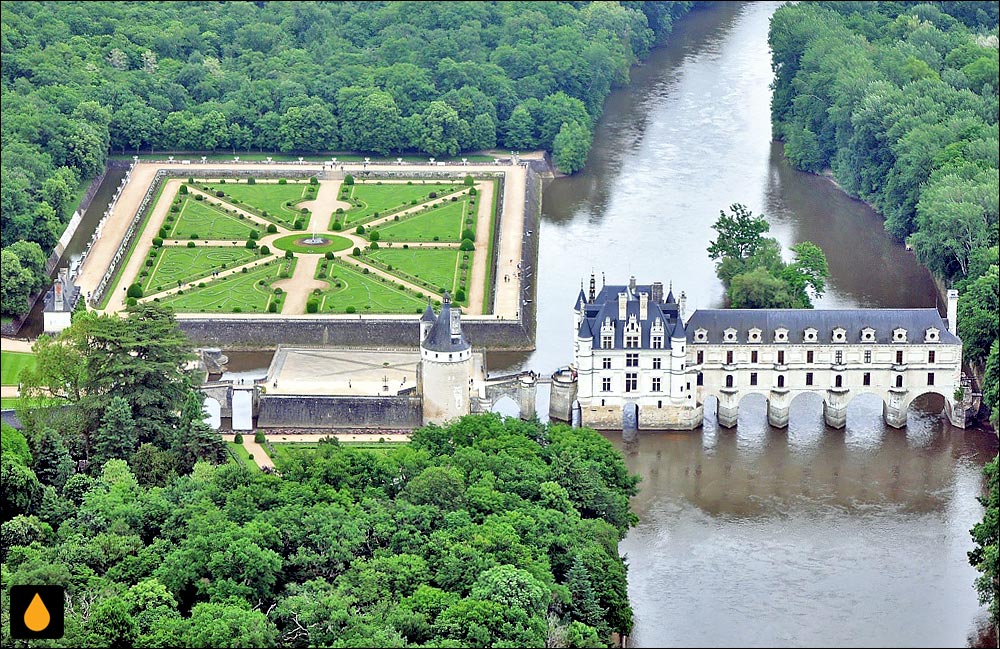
pixel 638 360
pixel 445 364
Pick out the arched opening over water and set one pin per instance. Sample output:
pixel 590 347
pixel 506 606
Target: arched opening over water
pixel 866 425
pixel 213 413
pixel 805 420
pixel 506 406
pixel 926 419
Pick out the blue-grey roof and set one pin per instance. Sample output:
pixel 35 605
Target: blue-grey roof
pixel 796 321
pixel 439 338
pixel 428 315
pixel 605 307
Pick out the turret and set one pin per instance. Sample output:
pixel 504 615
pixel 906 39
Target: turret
pixel 445 367
pixel 953 311
pixel 426 322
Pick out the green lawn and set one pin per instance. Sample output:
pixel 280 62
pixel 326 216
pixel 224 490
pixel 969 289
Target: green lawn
pixel 438 266
pixel 390 197
pixel 365 293
pixel 242 454
pixel 208 222
pixel 334 243
pixel 269 197
pixel 446 223
pixel 11 365
pixel 238 293
pixel 181 264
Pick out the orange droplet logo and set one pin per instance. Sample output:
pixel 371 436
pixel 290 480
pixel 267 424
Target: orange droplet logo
pixel 36 617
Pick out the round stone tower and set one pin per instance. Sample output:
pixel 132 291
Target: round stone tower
pixel 445 366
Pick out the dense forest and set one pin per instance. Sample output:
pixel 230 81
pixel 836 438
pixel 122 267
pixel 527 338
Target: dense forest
pixel 82 79
pixel 898 101
pixel 490 532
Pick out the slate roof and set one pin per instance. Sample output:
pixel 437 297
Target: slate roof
pixel 428 315
pixel 70 295
pixel 439 338
pixel 605 306
pixel 883 321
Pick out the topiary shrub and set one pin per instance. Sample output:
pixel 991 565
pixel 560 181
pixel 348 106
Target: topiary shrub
pixel 282 181
pixel 432 195
pixel 272 307
pixel 337 226
pixel 238 438
pixel 157 242
pixel 348 179
pixel 219 193
pixel 149 263
pixel 373 245
pixel 359 230
pixel 329 254
pixel 469 181
pixel 194 236
pixel 131 301
pixel 243 270
pixel 473 192
pixel 190 180
pixel 175 208
pixel 313 180
pixel 162 233
pixel 356 252
pixel 251 244
pixel 183 189
pixel 191 244
pixel 199 197
pixel 264 250
pixel 366 272
pixel 340 210
pixel 254 235
pixel 350 309
pixel 467 233
pixel 312 306
pixel 289 254
pixel 134 290
pixel 460 295
pixel 222 181
pixel 251 181
pixel 272 228
pixel 299 224
pixel 406 246
pixel 374 235
pixel 259 437
pixel 467 244
pixel 304 210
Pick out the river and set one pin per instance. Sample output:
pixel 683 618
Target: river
pixel 757 536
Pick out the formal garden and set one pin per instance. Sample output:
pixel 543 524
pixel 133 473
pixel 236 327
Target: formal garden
pixel 228 245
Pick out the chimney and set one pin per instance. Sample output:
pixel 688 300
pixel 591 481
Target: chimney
pixel 631 284
pixel 953 311
pixel 57 302
pixel 643 305
pixel 657 293
pixel 593 289
pixel 622 303
pixel 682 304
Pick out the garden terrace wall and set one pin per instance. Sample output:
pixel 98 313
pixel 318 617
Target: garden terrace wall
pixel 314 411
pixel 261 332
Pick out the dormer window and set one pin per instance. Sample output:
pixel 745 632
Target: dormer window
pixel 729 335
pixel 781 335
pixel 932 335
pixel 810 335
pixel 700 335
pixel 868 335
pixel 754 336
pixel 839 335
pixel 899 335
pixel 656 341
pixel 632 333
pixel 607 334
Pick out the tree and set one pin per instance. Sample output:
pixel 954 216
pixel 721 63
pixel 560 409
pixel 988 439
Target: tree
pixel 739 234
pixel 759 289
pixel 308 128
pixel 112 623
pixel 585 607
pixel 441 130
pixel 991 384
pixel 117 437
pixel 519 130
pixel 224 625
pixel 978 306
pixel 985 557
pixel 571 146
pixel 16 283
pixel 52 462
pixel 370 120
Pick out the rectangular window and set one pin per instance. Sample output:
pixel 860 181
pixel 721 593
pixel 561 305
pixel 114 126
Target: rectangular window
pixel 657 342
pixel 930 356
pixel 701 357
pixel 867 378
pixel 606 384
pixel 656 384
pixel 868 356
pixel 632 359
pixel 838 357
pixel 809 356
pixel 899 357
pixel 753 378
pixel 606 341
pixel 606 362
pixel 753 356
pixel 781 357
pixel 729 357
pixel 809 378
pixel 930 378
pixel 631 341
pixel 656 362
pixel 701 379
pixel 631 381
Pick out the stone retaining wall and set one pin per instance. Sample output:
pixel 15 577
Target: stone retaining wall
pixel 298 411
